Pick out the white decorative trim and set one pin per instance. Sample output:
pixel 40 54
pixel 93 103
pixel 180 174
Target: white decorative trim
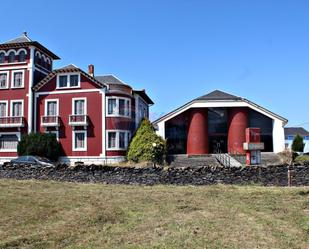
pixel 117 147
pixel 117 107
pixel 68 91
pixel 10 133
pixel 30 92
pixel 103 92
pixel 21 49
pixel 13 67
pixel 68 82
pixel 7 79
pixel 11 50
pixel 73 140
pixel 23 79
pixel 22 107
pixel 6 102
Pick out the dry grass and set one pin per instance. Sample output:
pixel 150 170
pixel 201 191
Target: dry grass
pixel 67 215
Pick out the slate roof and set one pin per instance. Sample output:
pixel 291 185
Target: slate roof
pixel 218 95
pixel 109 79
pixel 23 41
pixel 293 131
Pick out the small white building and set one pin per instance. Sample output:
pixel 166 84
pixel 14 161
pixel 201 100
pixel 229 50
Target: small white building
pixel 291 132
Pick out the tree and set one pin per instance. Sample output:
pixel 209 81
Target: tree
pixel 298 144
pixel 39 144
pixel 146 145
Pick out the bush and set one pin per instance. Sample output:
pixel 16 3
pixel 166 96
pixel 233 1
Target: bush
pixel 298 144
pixel 146 145
pixel 39 144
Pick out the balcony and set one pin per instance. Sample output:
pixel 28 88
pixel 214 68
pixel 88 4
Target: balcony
pixel 78 120
pixel 50 121
pixel 12 122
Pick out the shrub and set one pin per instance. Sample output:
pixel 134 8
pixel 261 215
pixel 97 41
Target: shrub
pixel 39 144
pixel 146 145
pixel 298 144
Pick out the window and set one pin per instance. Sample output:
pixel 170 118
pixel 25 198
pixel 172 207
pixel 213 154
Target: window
pixel 306 137
pixel 68 81
pixel 79 106
pixel 22 56
pixel 56 133
pixel 112 105
pixel 112 140
pixel 11 57
pixel 118 139
pixel 117 106
pixel 8 142
pixel 80 140
pixel 63 81
pixel 2 57
pixel 16 108
pixel 51 108
pixel 3 80
pixel 18 79
pixel 3 109
pixel 290 137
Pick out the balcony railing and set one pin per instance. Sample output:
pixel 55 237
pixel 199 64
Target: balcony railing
pixel 50 121
pixel 9 122
pixel 78 120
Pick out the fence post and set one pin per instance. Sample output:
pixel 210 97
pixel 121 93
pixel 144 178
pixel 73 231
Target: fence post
pixel 289 177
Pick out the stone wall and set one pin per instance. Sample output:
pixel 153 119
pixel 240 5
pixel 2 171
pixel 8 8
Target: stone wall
pixel 267 176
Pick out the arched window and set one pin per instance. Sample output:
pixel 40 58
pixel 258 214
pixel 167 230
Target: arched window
pixel 11 57
pixel 22 56
pixel 2 57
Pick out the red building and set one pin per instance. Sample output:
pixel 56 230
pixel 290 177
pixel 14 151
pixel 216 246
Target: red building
pixel 93 117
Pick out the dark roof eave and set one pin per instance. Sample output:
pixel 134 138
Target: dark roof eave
pixel 33 43
pixel 144 95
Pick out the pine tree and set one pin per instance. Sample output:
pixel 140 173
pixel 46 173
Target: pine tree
pixel 298 144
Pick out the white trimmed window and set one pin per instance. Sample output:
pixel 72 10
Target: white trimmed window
pixel 79 141
pixel 51 107
pixel 17 79
pixel 118 106
pixel 4 80
pixel 9 141
pixel 56 133
pixel 11 57
pixel 17 108
pixel 118 139
pixel 68 80
pixel 3 108
pixel 79 106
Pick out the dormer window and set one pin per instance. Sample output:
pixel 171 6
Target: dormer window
pixel 11 57
pixel 68 81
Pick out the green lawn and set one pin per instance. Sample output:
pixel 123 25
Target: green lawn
pixel 45 214
pixel 302 158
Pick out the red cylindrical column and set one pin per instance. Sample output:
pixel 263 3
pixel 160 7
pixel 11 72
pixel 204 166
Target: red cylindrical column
pixel 237 124
pixel 197 140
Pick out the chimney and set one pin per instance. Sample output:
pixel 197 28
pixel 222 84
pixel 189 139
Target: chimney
pixel 91 70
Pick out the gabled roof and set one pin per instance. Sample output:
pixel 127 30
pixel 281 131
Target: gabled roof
pixel 293 131
pixel 67 69
pixel 23 41
pixel 219 96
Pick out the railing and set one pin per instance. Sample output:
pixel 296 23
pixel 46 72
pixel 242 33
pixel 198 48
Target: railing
pixel 8 122
pixel 49 121
pixel 78 120
pixel 224 159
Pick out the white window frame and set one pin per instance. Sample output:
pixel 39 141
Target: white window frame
pixel 46 104
pixel 22 81
pixel 68 85
pixel 73 140
pixel 7 107
pixel 53 132
pixel 73 105
pixel 117 148
pixel 7 79
pixel 10 133
pixel 22 107
pixel 117 114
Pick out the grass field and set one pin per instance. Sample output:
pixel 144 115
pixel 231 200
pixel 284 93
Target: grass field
pixel 37 214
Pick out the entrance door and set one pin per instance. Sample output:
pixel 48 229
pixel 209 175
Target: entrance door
pixel 217 145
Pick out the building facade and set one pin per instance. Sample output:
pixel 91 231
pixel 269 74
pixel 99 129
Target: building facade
pixel 216 123
pixel 93 117
pixel 291 132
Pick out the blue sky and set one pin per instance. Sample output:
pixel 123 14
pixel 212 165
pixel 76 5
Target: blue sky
pixel 180 49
